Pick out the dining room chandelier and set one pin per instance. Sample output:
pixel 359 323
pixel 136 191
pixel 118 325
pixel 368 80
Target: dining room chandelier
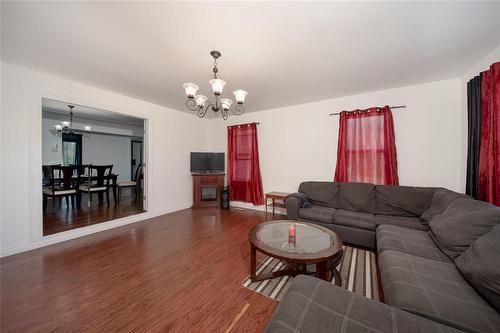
pixel 66 127
pixel 201 104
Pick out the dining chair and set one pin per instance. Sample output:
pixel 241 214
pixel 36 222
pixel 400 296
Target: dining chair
pixel 134 183
pixel 63 184
pixel 98 181
pixel 46 170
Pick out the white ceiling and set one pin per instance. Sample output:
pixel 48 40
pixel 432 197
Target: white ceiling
pixel 87 112
pixel 282 53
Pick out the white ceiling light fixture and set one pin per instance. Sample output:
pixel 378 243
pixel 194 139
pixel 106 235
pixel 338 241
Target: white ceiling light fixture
pixel 66 127
pixel 200 103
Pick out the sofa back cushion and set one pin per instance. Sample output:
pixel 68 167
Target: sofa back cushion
pixel 464 221
pixel 441 199
pixel 403 200
pixel 357 197
pixel 321 193
pixel 480 265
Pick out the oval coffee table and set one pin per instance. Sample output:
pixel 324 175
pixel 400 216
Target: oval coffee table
pixel 313 244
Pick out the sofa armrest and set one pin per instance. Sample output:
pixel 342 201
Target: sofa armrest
pixel 314 305
pixel 292 208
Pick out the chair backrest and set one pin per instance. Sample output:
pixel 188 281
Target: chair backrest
pixel 48 173
pixel 101 174
pixel 66 177
pixel 138 172
pixel 82 168
pixel 139 175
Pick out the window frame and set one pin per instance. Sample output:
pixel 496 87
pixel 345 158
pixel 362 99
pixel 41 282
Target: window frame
pixel 75 138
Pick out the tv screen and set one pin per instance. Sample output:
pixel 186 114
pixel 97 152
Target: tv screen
pixel 207 162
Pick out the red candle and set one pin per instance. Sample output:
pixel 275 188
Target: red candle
pixel 292 230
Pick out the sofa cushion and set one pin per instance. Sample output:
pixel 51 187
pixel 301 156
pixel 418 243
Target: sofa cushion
pixel 313 305
pixel 406 222
pixel 357 197
pixel 321 193
pixel 416 242
pixel 480 265
pixel 403 200
pixel 441 199
pixel 317 213
pixel 464 221
pixel 435 290
pixel 354 219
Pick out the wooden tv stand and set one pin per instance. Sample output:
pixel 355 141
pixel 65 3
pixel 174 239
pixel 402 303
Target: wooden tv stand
pixel 207 189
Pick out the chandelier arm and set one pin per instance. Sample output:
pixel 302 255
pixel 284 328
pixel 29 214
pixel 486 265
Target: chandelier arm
pixel 224 113
pixel 203 110
pixel 238 109
pixel 191 104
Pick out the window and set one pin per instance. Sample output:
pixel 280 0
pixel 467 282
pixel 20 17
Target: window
pixel 366 150
pixel 243 164
pixel 72 149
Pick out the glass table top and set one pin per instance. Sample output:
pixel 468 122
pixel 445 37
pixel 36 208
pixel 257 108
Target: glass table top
pixel 308 238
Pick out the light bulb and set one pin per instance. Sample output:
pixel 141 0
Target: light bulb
pixel 200 100
pixel 226 103
pixel 240 95
pixel 190 89
pixel 217 85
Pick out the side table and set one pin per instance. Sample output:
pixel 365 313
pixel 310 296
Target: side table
pixel 273 196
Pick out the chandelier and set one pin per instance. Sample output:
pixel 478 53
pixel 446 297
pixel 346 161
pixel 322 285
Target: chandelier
pixel 200 103
pixel 66 127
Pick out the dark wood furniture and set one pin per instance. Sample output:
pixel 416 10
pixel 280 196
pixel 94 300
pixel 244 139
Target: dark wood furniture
pixel 273 196
pixel 98 181
pixel 47 175
pixel 207 189
pixel 63 183
pixel 136 183
pixel 313 244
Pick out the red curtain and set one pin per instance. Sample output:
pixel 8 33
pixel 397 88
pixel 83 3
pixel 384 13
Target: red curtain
pixel 366 147
pixel 245 183
pixel 489 155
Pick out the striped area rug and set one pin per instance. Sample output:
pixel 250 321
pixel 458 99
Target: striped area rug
pixel 357 269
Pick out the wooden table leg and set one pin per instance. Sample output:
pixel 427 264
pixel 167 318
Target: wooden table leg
pixel 321 270
pixel 253 264
pixel 273 206
pixel 114 190
pixel 337 277
pixel 266 205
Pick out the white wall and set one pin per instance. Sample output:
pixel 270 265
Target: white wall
pixel 107 149
pixel 170 136
pixel 299 143
pixel 480 66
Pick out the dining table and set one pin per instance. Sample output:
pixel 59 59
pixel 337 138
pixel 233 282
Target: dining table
pixel 84 178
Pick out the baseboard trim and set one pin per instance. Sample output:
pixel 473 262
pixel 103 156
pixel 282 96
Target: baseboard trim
pixel 245 205
pixel 85 231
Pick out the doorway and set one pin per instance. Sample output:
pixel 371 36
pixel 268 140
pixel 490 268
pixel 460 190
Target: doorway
pixel 136 156
pixel 86 166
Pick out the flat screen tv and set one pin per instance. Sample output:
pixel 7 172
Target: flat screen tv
pixel 207 162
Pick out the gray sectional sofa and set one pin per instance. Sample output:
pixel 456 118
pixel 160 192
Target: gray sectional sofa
pixel 438 256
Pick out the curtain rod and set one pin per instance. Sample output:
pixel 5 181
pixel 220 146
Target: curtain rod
pixel 378 107
pixel 243 124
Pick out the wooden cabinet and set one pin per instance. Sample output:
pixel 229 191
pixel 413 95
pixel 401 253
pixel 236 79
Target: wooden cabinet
pixel 207 189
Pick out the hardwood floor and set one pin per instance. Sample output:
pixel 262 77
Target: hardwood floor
pixel 66 218
pixel 180 272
